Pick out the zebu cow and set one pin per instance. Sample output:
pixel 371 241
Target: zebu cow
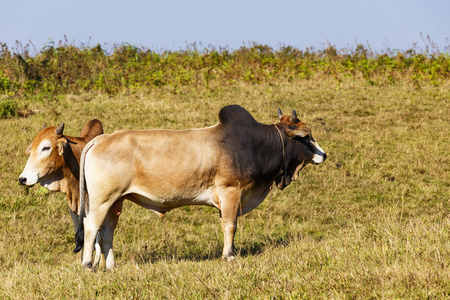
pixel 54 163
pixel 230 166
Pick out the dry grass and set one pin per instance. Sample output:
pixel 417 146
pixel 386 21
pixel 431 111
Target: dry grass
pixel 371 222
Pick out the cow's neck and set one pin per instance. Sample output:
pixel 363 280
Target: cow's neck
pixel 65 182
pixel 71 160
pixel 272 153
pixel 282 141
pixel 69 185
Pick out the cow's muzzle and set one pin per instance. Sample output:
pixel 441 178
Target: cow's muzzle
pixel 319 158
pixel 23 180
pixel 26 181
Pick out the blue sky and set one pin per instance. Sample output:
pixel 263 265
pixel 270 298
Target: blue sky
pixel 174 24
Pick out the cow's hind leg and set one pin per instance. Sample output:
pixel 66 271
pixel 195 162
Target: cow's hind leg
pixel 229 204
pixel 104 255
pixel 99 253
pixel 98 249
pixel 92 224
pixel 107 235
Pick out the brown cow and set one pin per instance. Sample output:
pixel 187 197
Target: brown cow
pixel 54 163
pixel 230 166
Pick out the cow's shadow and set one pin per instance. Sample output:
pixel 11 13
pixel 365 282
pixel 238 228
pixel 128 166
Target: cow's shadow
pixel 257 249
pixel 146 255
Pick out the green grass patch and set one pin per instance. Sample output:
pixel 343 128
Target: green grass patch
pixel 371 222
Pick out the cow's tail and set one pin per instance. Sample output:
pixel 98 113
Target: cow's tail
pixel 79 235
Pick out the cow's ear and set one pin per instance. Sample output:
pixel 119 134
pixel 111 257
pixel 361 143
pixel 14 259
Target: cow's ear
pixel 28 151
pixel 61 142
pixel 300 131
pixel 280 114
pixel 294 118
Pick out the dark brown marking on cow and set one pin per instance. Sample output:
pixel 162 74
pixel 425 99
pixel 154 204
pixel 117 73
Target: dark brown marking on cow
pixel 255 149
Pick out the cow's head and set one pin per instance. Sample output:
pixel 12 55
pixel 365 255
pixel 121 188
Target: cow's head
pixel 46 158
pixel 301 148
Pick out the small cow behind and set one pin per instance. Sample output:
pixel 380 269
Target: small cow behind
pixel 54 163
pixel 231 166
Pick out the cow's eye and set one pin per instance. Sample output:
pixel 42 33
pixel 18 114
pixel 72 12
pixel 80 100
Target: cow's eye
pixel 45 149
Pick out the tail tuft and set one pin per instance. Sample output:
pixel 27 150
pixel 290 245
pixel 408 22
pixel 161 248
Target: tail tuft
pixel 79 238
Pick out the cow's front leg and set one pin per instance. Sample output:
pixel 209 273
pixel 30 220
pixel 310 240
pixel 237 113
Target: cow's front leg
pixel 229 204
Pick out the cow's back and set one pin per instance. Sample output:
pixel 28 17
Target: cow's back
pixel 161 163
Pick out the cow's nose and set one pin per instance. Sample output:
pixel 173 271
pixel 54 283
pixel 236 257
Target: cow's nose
pixel 23 180
pixel 324 157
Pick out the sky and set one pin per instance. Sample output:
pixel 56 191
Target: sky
pixel 174 24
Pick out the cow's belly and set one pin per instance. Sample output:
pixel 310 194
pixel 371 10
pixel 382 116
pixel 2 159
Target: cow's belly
pixel 168 200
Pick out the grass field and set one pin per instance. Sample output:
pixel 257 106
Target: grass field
pixel 371 222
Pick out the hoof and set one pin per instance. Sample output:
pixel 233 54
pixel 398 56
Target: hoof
pixel 110 267
pixel 229 258
pixel 88 266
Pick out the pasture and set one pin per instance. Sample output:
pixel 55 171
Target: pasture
pixel 371 222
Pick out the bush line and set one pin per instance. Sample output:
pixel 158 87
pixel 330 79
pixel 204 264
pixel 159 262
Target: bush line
pixel 67 68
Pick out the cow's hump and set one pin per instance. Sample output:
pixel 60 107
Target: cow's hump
pixel 92 129
pixel 236 115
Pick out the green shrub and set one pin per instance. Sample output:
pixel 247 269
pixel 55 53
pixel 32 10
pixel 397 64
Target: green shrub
pixel 8 109
pixel 67 68
pixel 5 83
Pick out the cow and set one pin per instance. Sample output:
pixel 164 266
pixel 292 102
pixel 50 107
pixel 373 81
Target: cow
pixel 54 163
pixel 230 166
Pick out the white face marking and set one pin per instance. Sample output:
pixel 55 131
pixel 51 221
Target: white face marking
pixel 31 170
pixel 45 148
pixel 318 159
pixel 30 173
pixel 319 155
